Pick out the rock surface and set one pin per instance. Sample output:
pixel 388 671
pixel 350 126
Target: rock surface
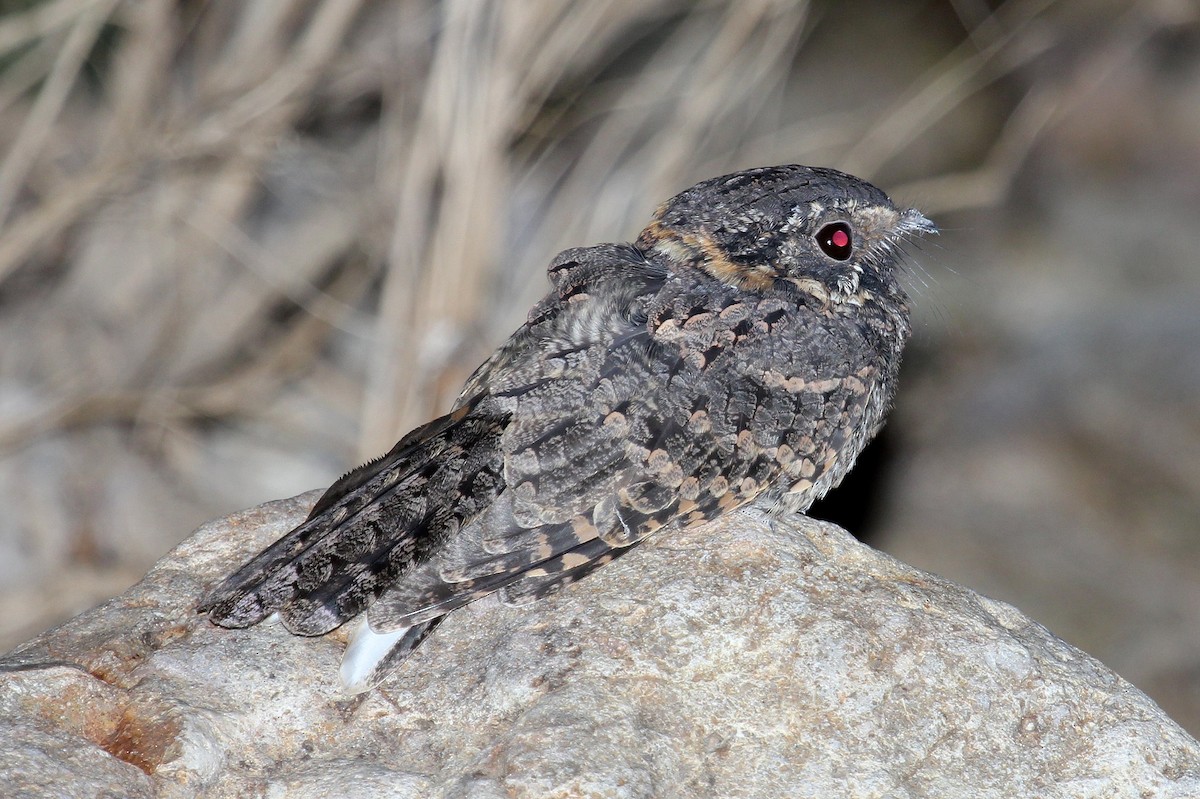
pixel 750 658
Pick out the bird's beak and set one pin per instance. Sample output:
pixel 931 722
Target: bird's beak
pixel 913 221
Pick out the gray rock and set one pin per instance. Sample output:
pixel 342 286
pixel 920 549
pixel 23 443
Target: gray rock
pixel 749 658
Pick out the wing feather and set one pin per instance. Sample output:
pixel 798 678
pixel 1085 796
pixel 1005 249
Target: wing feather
pixel 374 528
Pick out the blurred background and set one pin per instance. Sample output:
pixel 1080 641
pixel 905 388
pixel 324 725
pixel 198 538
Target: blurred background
pixel 244 246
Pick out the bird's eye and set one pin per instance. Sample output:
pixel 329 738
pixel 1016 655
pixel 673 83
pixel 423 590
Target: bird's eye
pixel 835 240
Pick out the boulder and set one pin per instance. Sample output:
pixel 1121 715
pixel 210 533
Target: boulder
pixel 752 657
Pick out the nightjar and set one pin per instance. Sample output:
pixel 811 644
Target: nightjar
pixel 743 350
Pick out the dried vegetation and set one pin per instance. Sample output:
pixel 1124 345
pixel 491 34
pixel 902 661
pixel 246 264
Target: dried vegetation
pixel 244 245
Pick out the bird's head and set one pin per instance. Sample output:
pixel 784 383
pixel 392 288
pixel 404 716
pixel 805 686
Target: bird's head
pixel 822 231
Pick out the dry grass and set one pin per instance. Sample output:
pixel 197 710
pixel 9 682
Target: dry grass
pixel 237 238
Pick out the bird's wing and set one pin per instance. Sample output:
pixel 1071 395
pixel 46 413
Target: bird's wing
pixel 370 527
pixel 544 379
pixel 664 425
pixel 386 518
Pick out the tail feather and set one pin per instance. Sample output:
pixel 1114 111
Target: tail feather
pixel 301 561
pixel 370 655
pixel 540 584
pixel 427 596
pixel 367 529
pixel 248 596
pixel 541 543
pixel 354 585
pixel 260 587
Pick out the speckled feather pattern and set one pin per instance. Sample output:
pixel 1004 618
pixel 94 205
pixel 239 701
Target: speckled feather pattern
pixel 722 359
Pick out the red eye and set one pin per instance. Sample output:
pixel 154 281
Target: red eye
pixel 835 241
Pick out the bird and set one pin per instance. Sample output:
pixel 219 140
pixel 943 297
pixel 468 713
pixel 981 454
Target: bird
pixel 743 350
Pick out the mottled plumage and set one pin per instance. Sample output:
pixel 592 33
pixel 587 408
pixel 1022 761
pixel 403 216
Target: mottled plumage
pixel 743 350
